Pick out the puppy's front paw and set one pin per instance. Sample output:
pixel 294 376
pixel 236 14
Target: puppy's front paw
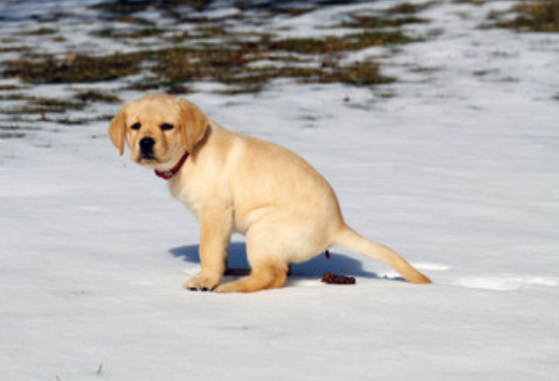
pixel 203 282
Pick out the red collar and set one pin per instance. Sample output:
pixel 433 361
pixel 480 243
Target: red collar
pixel 168 175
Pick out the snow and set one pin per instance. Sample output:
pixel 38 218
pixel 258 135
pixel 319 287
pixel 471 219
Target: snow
pixel 456 171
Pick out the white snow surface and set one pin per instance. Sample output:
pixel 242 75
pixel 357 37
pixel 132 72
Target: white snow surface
pixel 457 171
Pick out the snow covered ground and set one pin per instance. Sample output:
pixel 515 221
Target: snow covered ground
pixel 454 165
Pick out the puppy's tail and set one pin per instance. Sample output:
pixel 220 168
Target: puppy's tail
pixel 353 241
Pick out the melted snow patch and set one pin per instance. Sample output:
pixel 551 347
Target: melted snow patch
pixel 506 283
pixel 432 266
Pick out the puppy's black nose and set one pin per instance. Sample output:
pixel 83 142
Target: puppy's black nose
pixel 146 145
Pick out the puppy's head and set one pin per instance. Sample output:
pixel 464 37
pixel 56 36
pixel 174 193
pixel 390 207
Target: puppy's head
pixel 158 129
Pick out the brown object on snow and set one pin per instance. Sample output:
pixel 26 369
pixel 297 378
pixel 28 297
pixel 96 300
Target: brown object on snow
pixel 337 279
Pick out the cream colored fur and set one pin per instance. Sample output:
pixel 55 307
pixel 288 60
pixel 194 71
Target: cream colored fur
pixel 235 183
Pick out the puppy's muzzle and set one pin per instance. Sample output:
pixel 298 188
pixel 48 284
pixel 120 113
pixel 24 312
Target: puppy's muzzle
pixel 146 147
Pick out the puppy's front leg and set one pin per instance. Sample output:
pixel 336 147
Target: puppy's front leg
pixel 215 231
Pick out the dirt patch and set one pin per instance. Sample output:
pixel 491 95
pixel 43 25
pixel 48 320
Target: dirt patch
pixel 214 51
pixel 46 69
pixel 531 16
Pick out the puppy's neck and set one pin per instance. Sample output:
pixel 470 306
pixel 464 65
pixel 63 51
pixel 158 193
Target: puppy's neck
pixel 169 174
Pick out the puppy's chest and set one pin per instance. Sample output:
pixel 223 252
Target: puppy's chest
pixel 198 196
pixel 198 189
pixel 182 190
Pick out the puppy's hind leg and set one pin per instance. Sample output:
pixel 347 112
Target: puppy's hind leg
pixel 268 268
pixel 262 277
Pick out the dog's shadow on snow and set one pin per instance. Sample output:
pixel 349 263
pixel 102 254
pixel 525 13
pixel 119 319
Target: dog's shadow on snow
pixel 314 268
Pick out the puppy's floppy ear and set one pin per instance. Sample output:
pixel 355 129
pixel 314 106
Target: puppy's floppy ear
pixel 194 124
pixel 117 130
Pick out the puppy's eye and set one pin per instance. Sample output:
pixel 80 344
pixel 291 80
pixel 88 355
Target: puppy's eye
pixel 136 126
pixel 167 126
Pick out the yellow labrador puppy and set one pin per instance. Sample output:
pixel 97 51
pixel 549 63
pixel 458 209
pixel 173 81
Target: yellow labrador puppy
pixel 235 183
